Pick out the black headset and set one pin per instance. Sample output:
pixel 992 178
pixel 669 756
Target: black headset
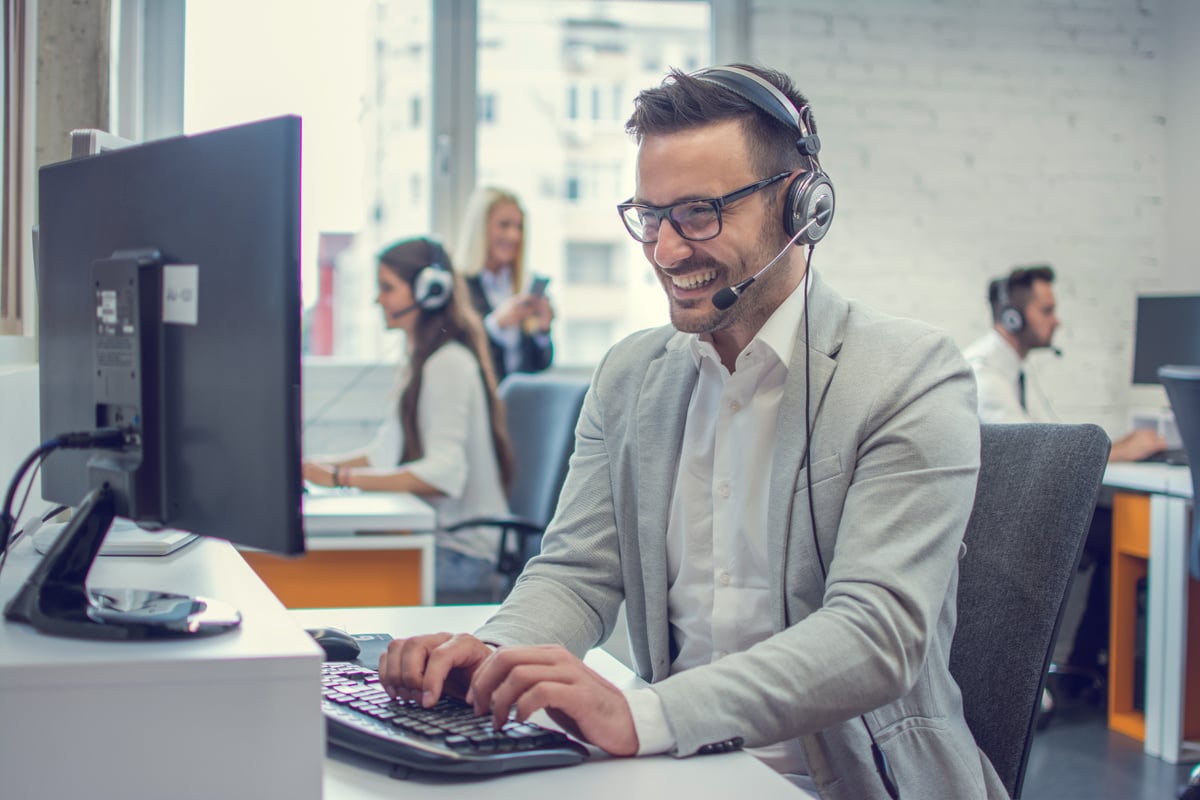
pixel 433 284
pixel 810 194
pixel 1008 315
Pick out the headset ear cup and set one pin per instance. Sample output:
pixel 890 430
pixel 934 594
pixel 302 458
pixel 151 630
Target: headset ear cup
pixel 1012 320
pixel 809 197
pixel 432 287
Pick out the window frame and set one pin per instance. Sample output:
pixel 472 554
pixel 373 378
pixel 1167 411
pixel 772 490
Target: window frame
pixel 149 100
pixel 18 73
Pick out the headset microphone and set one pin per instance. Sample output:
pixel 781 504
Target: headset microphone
pixel 725 298
pixel 404 311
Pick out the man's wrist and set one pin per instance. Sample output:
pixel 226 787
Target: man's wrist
pixel 654 734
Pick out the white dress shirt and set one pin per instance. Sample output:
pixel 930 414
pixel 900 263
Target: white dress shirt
pixel 719 594
pixel 497 287
pixel 456 435
pixel 998 374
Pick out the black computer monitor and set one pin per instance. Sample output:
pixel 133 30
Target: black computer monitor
pixel 169 307
pixel 1168 332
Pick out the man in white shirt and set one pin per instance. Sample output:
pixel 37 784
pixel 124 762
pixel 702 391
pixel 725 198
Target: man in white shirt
pixel 1024 319
pixel 776 486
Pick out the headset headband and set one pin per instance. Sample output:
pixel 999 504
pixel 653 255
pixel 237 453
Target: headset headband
pixel 760 92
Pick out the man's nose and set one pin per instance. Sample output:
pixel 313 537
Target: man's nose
pixel 671 248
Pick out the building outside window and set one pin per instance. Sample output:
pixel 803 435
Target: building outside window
pixel 361 74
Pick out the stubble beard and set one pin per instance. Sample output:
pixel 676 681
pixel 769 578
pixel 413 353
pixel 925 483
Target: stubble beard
pixel 747 308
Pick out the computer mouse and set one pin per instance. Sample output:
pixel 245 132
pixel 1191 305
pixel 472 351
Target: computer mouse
pixel 337 644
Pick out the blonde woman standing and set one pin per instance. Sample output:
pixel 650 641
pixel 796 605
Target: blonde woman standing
pixel 491 256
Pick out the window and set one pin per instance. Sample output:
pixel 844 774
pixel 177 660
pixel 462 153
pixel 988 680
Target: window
pixel 487 108
pixel 590 263
pixel 387 153
pixel 357 73
pixel 584 341
pixel 16 194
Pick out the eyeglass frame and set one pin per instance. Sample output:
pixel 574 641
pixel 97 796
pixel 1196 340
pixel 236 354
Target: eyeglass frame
pixel 718 203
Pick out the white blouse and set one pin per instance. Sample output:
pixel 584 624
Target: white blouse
pixel 456 435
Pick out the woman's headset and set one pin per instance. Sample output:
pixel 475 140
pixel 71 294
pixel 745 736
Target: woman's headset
pixel 432 285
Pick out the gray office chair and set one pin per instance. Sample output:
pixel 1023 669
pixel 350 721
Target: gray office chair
pixel 1183 390
pixel 542 410
pixel 1034 500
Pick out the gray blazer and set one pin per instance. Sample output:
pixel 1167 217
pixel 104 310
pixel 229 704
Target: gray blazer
pixel 895 458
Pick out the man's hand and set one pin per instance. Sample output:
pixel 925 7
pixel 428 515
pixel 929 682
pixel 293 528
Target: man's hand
pixel 422 667
pixel 1136 445
pixel 551 678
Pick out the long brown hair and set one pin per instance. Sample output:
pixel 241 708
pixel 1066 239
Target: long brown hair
pixel 456 321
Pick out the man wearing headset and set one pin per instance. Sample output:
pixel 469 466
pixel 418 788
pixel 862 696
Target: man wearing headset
pixel 1024 319
pixel 776 485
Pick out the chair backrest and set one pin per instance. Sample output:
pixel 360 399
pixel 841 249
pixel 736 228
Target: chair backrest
pixel 1183 390
pixel 542 410
pixel 1034 500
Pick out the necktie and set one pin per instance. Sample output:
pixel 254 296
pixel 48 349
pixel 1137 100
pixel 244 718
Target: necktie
pixel 1021 388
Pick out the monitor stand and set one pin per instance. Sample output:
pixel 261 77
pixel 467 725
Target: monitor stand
pixel 56 600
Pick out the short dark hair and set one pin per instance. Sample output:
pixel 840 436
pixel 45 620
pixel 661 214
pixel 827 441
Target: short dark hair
pixel 682 102
pixel 1015 289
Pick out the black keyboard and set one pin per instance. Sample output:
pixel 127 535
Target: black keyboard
pixel 360 716
pixel 1175 456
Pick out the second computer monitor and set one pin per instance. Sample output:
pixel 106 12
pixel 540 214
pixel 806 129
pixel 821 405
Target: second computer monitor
pixel 1168 332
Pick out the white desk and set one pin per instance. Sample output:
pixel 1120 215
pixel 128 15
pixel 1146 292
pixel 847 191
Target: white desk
pixel 349 777
pixel 1170 490
pixel 329 519
pixel 344 514
pixel 354 538
pixel 227 716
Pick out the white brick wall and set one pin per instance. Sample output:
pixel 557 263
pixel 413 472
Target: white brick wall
pixel 967 137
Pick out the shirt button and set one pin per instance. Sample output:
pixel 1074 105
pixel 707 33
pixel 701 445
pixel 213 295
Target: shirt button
pixel 735 406
pixel 724 490
pixel 724 579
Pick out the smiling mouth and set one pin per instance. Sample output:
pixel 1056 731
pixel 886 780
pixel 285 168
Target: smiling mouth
pixel 694 280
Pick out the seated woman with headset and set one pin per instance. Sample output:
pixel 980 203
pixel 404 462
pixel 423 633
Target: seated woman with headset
pixel 445 439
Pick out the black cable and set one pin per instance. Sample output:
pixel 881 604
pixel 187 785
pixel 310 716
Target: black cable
pixel 881 763
pixel 28 488
pixel 7 521
pixel 8 541
pixel 102 438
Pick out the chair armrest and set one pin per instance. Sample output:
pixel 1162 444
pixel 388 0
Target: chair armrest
pixel 514 523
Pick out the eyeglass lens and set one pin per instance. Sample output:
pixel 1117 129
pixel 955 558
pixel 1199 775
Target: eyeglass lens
pixel 696 220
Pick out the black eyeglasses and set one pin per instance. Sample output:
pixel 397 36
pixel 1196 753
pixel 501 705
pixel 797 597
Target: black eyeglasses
pixel 694 220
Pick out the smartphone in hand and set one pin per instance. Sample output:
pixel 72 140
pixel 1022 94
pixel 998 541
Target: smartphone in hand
pixel 538 287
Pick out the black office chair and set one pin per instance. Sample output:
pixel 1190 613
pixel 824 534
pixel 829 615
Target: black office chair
pixel 542 410
pixel 1183 390
pixel 1034 500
